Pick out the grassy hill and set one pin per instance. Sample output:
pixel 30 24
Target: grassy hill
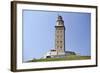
pixel 71 57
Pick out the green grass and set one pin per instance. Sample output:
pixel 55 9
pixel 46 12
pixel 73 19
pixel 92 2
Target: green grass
pixel 71 57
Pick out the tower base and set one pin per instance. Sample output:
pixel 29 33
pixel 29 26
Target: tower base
pixel 54 54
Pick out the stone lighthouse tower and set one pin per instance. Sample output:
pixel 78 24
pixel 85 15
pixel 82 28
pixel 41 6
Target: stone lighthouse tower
pixel 60 36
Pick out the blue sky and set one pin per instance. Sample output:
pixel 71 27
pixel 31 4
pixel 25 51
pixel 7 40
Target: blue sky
pixel 39 32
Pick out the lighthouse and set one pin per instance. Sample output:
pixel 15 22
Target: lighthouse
pixel 59 50
pixel 60 36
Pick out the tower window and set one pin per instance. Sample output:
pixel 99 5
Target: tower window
pixel 57 46
pixel 57 36
pixel 60 41
pixel 60 46
pixel 57 41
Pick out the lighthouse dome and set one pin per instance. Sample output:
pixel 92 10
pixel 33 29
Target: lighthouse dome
pixel 59 18
pixel 60 21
